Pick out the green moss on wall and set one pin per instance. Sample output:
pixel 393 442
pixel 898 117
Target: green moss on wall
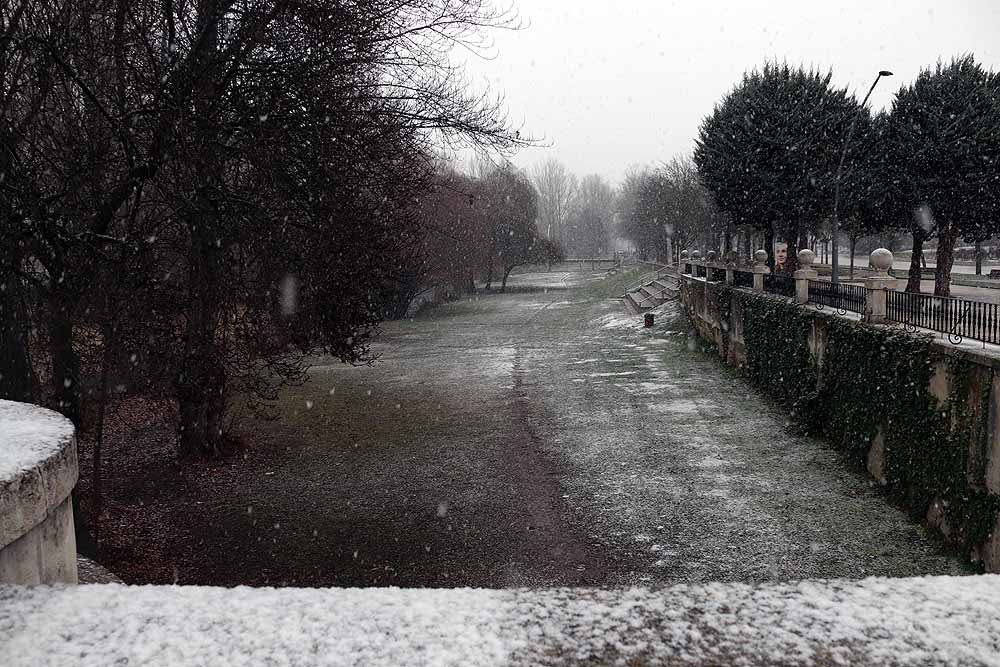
pixel 874 379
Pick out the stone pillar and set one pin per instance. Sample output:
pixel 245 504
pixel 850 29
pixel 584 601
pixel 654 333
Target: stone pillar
pixel 760 270
pixel 878 285
pixel 685 265
pixel 696 262
pixel 804 275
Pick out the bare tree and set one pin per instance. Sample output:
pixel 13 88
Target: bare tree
pixel 221 149
pixel 591 217
pixel 556 188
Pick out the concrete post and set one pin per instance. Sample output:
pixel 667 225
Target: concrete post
pixel 760 270
pixel 685 265
pixel 877 286
pixel 804 275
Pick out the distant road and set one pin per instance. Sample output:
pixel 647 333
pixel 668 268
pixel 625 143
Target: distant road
pixel 904 264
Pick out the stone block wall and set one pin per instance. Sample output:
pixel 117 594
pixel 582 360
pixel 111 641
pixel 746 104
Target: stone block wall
pixel 921 415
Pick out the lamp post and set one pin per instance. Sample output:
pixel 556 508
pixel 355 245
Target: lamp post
pixel 835 277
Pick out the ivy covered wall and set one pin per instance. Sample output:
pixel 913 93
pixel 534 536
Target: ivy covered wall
pixel 919 416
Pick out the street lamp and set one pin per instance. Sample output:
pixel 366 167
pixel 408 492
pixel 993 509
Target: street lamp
pixel 835 277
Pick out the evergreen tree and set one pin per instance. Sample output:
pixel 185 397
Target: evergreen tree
pixel 770 149
pixel 945 149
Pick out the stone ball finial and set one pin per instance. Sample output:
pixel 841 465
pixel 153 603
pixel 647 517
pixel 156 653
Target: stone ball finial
pixel 881 260
pixel 710 256
pixel 684 254
pixel 806 258
pixel 695 254
pixel 760 256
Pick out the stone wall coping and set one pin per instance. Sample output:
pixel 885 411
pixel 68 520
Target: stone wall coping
pixel 969 349
pixel 864 622
pixel 38 466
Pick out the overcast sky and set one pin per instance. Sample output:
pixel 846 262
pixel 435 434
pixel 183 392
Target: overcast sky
pixel 611 84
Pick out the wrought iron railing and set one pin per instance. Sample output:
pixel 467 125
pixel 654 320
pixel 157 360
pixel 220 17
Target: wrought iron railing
pixel 699 270
pixel 743 279
pixel 716 275
pixel 779 283
pixel 958 318
pixel 841 296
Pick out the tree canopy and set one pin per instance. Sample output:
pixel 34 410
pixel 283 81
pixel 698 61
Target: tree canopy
pixel 769 151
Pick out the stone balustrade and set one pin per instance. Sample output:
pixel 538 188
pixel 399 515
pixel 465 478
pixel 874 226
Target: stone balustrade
pixel 876 286
pixel 38 470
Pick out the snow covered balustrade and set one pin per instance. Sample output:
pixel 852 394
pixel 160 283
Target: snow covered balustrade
pixel 915 621
pixel 920 412
pixel 38 470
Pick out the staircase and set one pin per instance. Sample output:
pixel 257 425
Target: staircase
pixel 653 289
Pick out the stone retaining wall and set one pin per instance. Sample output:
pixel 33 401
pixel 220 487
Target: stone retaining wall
pixel 945 469
pixel 38 470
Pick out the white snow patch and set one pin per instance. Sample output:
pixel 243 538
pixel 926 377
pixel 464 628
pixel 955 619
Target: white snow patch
pixel 617 321
pixel 28 435
pixel 678 406
pixel 931 620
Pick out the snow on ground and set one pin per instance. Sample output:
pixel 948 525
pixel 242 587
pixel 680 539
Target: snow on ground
pixel 917 621
pixel 553 279
pixel 685 449
pixel 28 436
pixel 618 321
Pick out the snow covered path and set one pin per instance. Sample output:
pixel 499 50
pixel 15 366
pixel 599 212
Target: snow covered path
pixel 929 621
pixel 676 470
pixel 531 439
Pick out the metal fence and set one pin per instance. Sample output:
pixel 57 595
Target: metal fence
pixel 841 296
pixel 779 283
pixel 699 270
pixel 743 279
pixel 716 275
pixel 958 318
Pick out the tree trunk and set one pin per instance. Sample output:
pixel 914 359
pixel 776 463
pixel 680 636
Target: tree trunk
pixel 15 365
pixel 503 283
pixel 97 495
pixel 792 253
pixel 769 246
pixel 200 385
pixel 65 365
pixel 489 276
pixel 979 258
pixel 201 381
pixel 947 238
pixel 852 244
pixel 916 257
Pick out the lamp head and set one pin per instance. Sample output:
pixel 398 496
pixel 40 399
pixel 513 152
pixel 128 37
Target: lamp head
pixel 884 72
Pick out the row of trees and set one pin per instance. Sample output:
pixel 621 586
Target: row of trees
pixel 576 214
pixel 668 207
pixel 471 229
pixel 769 154
pixel 194 196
